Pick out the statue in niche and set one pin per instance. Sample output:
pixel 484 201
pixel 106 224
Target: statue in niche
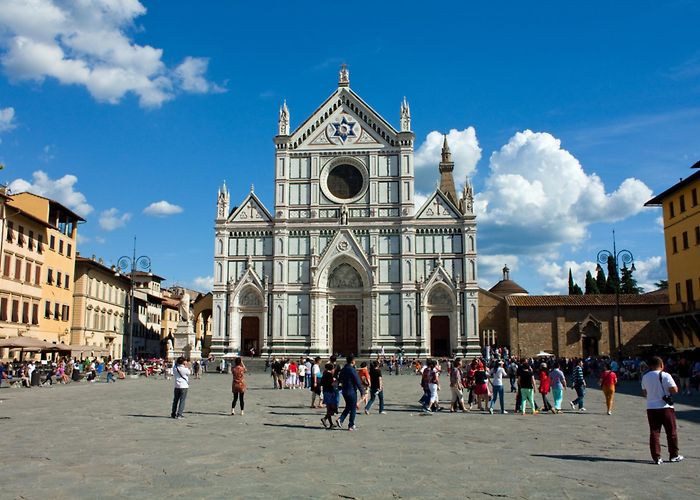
pixel 345 276
pixel 344 216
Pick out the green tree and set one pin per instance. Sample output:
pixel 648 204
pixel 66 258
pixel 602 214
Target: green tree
pixel 663 284
pixel 574 289
pixel 613 280
pixel 628 284
pixel 591 285
pixel 600 280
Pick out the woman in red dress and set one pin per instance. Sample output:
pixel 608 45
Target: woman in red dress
pixel 239 386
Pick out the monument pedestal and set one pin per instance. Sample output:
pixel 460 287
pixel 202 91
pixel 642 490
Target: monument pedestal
pixel 185 342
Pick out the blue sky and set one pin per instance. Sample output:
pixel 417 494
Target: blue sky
pixel 565 117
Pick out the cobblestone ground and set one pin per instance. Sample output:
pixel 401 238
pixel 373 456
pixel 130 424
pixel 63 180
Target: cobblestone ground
pixel 116 441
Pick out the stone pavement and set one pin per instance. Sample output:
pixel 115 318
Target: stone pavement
pixel 116 441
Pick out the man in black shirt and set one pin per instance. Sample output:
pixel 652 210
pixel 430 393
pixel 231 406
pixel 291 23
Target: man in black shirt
pixel 376 386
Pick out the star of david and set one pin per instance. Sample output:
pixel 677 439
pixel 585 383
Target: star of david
pixel 344 129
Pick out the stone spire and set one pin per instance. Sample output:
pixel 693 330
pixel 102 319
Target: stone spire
pixel 405 116
pixel 222 202
pixel 283 121
pixel 344 76
pixel 447 166
pixel 466 202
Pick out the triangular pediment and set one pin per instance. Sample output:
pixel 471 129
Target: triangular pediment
pixel 249 277
pixel 438 278
pixel 251 210
pixel 344 120
pixel 344 247
pixel 438 206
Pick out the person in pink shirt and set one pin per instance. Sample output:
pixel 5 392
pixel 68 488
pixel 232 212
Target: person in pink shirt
pixel 608 381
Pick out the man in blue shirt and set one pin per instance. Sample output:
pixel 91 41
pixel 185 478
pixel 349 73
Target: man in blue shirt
pixel 350 384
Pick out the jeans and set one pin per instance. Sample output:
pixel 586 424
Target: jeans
pixel 307 380
pixel 666 418
pixel 373 393
pixel 546 405
pixel 350 408
pixel 581 393
pixel 110 377
pixel 179 398
pixel 512 383
pixel 558 395
pixel 498 393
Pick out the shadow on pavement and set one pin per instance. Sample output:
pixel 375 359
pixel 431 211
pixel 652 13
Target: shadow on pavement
pixel 297 426
pixel 588 458
pixel 633 388
pixel 148 416
pixel 216 413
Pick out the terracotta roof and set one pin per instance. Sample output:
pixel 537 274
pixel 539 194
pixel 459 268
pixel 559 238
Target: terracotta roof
pixel 506 287
pixel 585 300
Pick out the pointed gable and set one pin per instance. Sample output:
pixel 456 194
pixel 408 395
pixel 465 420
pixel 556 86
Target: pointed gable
pixel 345 246
pixel 438 206
pixel 251 210
pixel 344 119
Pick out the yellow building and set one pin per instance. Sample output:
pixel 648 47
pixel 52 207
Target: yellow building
pixel 681 215
pixel 100 301
pixel 55 318
pixel 22 251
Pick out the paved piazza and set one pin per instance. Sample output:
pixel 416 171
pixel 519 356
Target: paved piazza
pixel 117 441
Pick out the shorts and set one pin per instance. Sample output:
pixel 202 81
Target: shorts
pixel 432 388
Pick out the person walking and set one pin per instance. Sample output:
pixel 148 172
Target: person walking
pixel 557 382
pixel 376 387
pixel 329 384
pixel 657 388
pixel 497 374
pixel 513 374
pixel 433 381
pixel 526 385
pixel 350 384
pixel 579 383
pixel 544 388
pixel 457 387
pixel 182 377
pixel 607 382
pixel 315 386
pixel 238 386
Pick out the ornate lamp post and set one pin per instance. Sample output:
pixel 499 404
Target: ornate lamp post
pixel 132 264
pixel 619 256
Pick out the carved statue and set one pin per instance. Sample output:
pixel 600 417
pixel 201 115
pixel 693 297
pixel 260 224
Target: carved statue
pixel 344 216
pixel 185 307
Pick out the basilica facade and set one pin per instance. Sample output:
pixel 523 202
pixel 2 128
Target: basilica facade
pixel 346 262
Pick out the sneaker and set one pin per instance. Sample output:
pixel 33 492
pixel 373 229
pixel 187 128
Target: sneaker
pixel 504 412
pixel 573 406
pixel 242 412
pixel 323 423
pixel 609 413
pixel 677 458
pixel 180 417
pixel 491 411
pixel 352 428
pixel 581 410
pixel 366 412
pixel 658 461
pixel 233 412
pixel 427 411
pixel 382 412
pixel 339 424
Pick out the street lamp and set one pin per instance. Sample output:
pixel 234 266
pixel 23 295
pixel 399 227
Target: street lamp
pixel 626 257
pixel 132 264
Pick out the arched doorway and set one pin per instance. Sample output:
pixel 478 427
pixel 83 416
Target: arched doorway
pixel 345 286
pixel 251 313
pixel 440 310
pixel 250 335
pixel 590 337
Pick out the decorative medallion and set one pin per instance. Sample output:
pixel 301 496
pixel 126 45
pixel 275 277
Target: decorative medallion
pixel 343 131
pixel 343 246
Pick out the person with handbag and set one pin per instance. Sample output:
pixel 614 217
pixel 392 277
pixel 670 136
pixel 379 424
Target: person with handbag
pixel 658 387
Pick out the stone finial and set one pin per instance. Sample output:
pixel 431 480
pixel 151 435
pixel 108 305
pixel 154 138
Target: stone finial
pixel 405 116
pixel 344 76
pixel 222 202
pixel 283 121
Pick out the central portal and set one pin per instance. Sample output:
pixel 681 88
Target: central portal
pixel 440 336
pixel 344 330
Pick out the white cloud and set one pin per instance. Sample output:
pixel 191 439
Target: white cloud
pixel 7 118
pixel 419 200
pixel 89 43
pixel 47 153
pixel 204 283
pixel 491 267
pixel 465 150
pixel 191 76
pixel 162 209
pixel 537 195
pixel 62 190
pixel 111 219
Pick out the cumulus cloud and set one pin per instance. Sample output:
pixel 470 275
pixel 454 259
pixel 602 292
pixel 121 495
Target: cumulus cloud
pixel 112 219
pixel 162 209
pixel 537 194
pixel 465 150
pixel 7 119
pixel 62 190
pixel 204 283
pixel 89 43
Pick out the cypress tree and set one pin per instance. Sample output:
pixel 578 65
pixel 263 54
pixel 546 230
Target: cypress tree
pixel 591 285
pixel 613 277
pixel 600 280
pixel 577 290
pixel 628 284
pixel 571 283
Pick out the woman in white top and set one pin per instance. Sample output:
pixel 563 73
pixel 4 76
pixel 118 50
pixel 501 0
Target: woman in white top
pixel 497 374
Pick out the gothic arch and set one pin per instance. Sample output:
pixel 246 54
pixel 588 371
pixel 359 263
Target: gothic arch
pixel 323 274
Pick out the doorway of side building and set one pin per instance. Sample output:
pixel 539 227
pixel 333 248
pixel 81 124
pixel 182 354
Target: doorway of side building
pixel 589 347
pixel 250 335
pixel 440 336
pixel 345 330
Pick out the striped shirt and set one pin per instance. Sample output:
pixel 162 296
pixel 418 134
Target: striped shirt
pixel 577 378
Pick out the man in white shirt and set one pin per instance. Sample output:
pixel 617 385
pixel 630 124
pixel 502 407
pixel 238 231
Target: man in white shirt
pixel 657 387
pixel 181 372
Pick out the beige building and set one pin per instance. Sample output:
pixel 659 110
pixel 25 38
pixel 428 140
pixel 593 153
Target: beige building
pixel 148 300
pixel 170 316
pixel 681 215
pixel 55 313
pixel 100 300
pixel 23 250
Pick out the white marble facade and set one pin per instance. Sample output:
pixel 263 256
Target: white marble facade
pixel 345 262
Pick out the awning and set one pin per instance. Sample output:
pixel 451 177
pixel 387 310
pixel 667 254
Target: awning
pixel 28 344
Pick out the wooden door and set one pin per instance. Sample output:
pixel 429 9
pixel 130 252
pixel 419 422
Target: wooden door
pixel 440 336
pixel 250 335
pixel 345 330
